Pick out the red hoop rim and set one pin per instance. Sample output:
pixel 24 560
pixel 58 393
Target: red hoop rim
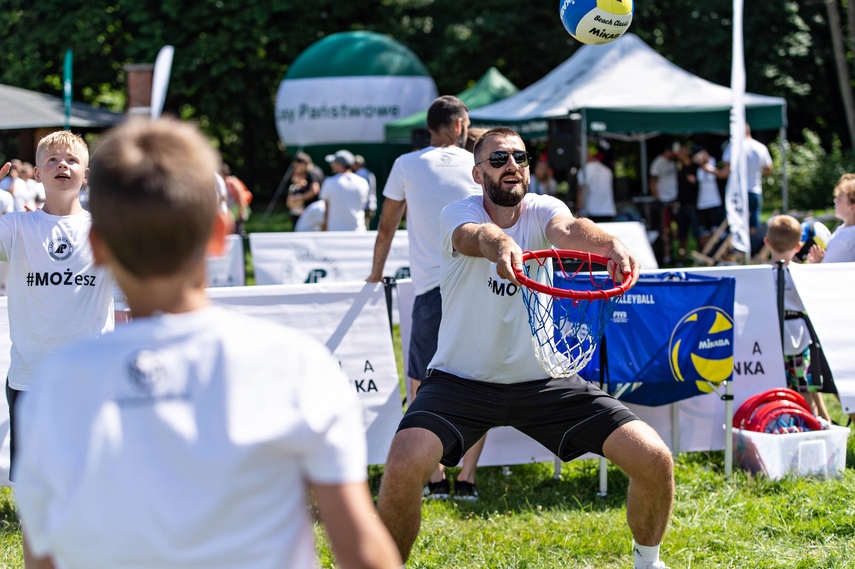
pixel 600 294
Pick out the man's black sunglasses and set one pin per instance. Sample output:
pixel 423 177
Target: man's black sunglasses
pixel 499 158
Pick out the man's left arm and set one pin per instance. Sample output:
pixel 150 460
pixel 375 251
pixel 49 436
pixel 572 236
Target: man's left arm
pixel 568 232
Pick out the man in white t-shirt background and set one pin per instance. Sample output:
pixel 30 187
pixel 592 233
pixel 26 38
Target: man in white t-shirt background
pixel 758 163
pixel 345 194
pixel 663 187
pixel 595 196
pixel 423 183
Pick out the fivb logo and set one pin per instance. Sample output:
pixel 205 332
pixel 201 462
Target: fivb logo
pixel 60 249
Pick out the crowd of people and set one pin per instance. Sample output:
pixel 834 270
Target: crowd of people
pixel 115 429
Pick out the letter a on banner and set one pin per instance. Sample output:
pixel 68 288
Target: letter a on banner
pixel 160 80
pixel 736 193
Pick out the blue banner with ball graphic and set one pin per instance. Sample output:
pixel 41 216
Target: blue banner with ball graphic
pixel 670 337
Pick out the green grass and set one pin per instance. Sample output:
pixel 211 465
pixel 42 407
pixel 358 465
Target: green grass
pixel 530 520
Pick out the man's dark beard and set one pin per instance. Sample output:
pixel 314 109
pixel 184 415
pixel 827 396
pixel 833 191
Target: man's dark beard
pixel 503 198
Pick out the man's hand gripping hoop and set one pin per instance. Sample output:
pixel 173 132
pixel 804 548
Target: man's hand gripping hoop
pixel 568 306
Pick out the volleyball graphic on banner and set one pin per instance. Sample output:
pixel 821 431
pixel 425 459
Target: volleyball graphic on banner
pixel 701 348
pixel 596 21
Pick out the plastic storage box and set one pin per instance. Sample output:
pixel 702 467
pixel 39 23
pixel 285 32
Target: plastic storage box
pixel 814 453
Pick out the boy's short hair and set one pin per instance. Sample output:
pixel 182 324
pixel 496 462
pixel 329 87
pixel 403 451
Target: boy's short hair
pixel 783 233
pixel 63 139
pixel 846 186
pixel 153 195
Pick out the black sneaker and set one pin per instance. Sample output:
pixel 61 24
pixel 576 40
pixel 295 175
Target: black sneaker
pixel 437 490
pixel 465 491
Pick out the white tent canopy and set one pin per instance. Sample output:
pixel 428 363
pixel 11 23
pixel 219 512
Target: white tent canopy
pixel 625 88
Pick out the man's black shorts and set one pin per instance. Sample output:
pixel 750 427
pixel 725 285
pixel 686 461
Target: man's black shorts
pixel 569 416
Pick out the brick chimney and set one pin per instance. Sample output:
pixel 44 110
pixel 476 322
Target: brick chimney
pixel 139 87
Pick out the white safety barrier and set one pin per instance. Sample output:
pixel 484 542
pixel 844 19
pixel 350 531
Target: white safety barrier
pixel 228 269
pixel 323 257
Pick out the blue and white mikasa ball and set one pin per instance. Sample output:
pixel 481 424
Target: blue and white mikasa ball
pixel 596 21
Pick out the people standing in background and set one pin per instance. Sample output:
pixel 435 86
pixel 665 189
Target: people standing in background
pixel 360 170
pixel 345 195
pixel 841 247
pixel 238 198
pixel 595 195
pixel 542 181
pixel 687 200
pixel 304 185
pixel 783 237
pixel 758 163
pixel 710 204
pixel 663 187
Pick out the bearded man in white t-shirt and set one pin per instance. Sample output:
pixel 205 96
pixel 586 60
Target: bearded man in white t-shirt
pixel 485 374
pixel 422 183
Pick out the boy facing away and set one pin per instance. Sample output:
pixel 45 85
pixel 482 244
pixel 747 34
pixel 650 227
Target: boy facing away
pixel 188 437
pixel 56 292
pixel 783 237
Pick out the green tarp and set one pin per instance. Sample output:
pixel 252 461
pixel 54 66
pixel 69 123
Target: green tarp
pixel 492 87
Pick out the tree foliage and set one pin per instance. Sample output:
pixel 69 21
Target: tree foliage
pixel 230 56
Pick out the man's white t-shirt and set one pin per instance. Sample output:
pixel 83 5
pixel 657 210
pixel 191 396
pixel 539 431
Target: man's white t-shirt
pixel 841 246
pixel 346 195
pixel 428 180
pixel 56 293
pixel 185 441
pixel 709 195
pixel 599 195
pixel 757 157
pixel 665 172
pixel 484 332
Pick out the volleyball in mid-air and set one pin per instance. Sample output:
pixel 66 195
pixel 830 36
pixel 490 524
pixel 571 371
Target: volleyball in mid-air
pixel 596 21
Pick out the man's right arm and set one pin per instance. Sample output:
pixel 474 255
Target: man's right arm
pixel 390 218
pixel 489 241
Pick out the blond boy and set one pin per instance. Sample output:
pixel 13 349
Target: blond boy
pixel 192 433
pixel 783 237
pixel 56 293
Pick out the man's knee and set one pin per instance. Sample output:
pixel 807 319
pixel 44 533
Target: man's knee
pixel 414 453
pixel 639 450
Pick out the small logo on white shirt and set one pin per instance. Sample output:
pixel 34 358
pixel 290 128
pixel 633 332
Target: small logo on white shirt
pixel 60 249
pixel 146 370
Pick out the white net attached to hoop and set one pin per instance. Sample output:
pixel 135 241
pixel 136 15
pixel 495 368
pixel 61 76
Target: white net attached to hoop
pixel 566 331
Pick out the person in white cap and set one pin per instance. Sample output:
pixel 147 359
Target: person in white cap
pixel 345 195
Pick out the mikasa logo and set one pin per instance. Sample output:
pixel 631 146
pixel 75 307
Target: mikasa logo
pixel 708 344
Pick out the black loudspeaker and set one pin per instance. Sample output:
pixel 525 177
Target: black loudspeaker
pixel 565 144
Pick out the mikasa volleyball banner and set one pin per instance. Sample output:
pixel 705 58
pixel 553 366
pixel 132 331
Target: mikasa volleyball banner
pixel 330 110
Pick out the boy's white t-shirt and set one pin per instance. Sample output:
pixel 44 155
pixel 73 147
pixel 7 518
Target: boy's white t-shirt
pixel 484 333
pixel 428 180
pixel 185 441
pixel 56 293
pixel 841 246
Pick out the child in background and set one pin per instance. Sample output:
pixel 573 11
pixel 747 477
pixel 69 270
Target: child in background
pixel 189 436
pixel 783 237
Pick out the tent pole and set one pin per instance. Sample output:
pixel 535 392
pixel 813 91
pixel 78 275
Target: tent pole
pixel 785 194
pixel 645 190
pixel 583 159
